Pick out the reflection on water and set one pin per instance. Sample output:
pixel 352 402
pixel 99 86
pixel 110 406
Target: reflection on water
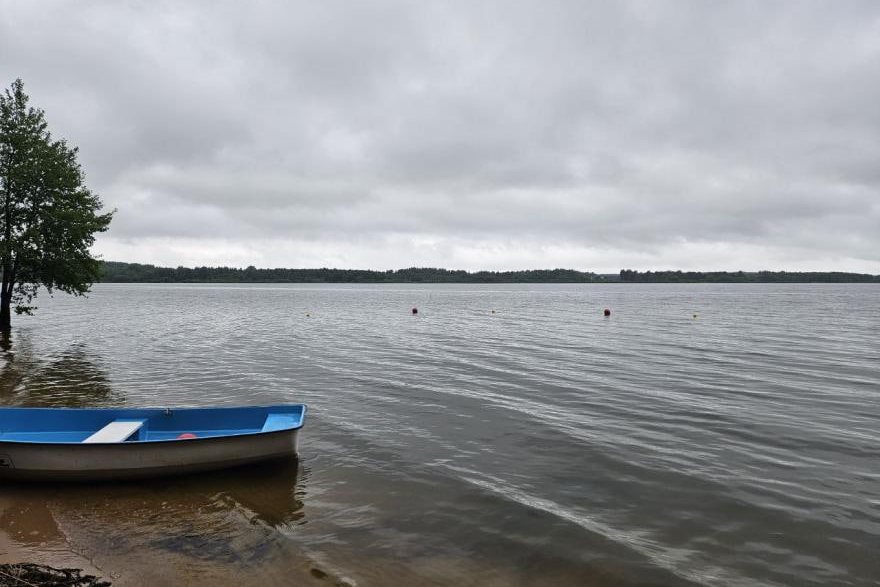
pixel 539 445
pixel 214 525
pixel 73 378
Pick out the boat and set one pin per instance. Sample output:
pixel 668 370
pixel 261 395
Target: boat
pixel 85 444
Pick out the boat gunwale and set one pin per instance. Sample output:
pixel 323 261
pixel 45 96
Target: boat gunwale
pixel 129 443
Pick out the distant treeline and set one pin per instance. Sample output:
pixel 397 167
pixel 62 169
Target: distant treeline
pixel 115 272
pixel 745 277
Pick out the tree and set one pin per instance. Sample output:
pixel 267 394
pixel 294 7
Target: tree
pixel 48 218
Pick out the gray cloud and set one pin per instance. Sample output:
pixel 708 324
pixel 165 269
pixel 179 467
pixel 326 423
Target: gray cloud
pixel 503 134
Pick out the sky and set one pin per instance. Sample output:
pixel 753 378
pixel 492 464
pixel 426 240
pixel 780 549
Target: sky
pixel 491 135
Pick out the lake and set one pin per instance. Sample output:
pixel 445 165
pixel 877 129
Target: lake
pixel 711 434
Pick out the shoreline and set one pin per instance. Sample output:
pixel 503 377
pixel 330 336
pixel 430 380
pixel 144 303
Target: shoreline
pixel 49 545
pixel 121 272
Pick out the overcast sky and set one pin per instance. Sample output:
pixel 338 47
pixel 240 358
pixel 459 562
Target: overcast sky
pixel 471 135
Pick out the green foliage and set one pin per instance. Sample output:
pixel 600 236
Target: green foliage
pixel 116 272
pixel 48 218
pixel 134 272
pixel 628 275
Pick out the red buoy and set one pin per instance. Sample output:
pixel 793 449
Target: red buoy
pixel 607 312
pixel 186 435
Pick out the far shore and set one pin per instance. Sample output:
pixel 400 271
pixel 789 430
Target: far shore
pixel 117 272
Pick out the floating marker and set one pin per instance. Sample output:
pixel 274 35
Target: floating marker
pixel 607 312
pixel 695 316
pixel 415 311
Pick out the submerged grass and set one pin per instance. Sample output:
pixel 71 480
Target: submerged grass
pixel 31 574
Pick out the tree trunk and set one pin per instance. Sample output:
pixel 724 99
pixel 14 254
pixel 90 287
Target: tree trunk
pixel 6 288
pixel 8 282
pixel 5 315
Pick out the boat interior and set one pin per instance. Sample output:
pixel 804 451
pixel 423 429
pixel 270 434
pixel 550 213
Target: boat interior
pixel 108 426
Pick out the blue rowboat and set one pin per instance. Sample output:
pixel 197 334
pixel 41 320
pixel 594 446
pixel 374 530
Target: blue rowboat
pixel 92 444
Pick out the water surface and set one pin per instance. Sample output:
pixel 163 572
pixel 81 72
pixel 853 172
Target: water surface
pixel 722 434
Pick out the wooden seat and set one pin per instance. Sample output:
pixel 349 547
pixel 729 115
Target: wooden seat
pixel 278 422
pixel 116 431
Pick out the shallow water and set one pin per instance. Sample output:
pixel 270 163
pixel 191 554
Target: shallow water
pixel 506 435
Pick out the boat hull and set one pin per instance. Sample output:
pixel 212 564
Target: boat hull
pixel 86 444
pixel 126 460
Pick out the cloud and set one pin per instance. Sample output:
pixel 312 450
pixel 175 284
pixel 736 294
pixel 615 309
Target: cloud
pixel 498 135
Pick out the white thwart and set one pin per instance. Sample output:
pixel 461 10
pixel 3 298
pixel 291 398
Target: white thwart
pixel 116 431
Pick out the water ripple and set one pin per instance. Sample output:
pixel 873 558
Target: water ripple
pixel 515 423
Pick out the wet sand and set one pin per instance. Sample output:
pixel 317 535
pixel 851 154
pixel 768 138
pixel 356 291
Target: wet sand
pixel 189 530
pixel 28 533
